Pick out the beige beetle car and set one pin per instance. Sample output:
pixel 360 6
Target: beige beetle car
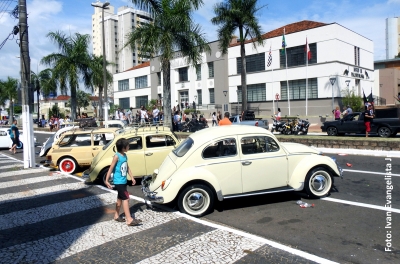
pixel 147 150
pixel 235 161
pixel 78 147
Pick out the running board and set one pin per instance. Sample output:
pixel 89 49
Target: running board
pixel 274 190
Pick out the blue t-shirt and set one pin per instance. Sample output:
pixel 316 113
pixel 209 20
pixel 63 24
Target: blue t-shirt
pixel 12 129
pixel 121 169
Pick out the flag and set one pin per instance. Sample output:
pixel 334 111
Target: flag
pixel 307 50
pixel 269 58
pixel 370 99
pixel 283 43
pixel 365 98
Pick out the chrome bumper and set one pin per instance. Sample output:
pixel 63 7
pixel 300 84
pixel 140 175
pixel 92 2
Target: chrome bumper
pixel 148 195
pixel 338 167
pixel 85 174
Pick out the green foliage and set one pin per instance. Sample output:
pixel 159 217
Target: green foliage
pixel 188 111
pixel 350 98
pixel 17 109
pixel 113 108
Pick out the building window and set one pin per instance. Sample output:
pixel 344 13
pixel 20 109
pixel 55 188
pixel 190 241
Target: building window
pixel 141 82
pixel 297 89
pixel 159 78
pixel 210 69
pixel 199 97
pixel 212 97
pixel 357 56
pixel 123 85
pixel 255 93
pixel 297 56
pixel 198 72
pixel 141 100
pixel 254 63
pixel 183 74
pixel 124 103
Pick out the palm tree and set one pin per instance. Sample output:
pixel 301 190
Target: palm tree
pixel 96 67
pixel 8 91
pixel 71 64
pixel 233 15
pixel 43 82
pixel 172 30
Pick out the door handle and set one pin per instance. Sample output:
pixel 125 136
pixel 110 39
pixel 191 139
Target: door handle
pixel 149 154
pixel 95 148
pixel 246 163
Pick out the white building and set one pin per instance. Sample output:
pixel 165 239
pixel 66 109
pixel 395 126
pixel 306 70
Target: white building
pixel 116 27
pixel 337 52
pixel 392 36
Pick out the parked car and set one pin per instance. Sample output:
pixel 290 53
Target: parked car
pixel 228 162
pixel 147 149
pixel 115 123
pixel 386 123
pixel 5 140
pixel 54 138
pixel 77 148
pixel 236 120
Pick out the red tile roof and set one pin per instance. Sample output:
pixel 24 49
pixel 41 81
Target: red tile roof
pixel 290 28
pixel 144 64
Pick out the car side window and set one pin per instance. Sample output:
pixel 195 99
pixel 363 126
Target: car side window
pixel 135 143
pixel 258 144
pixel 3 133
pixel 80 140
pixel 222 148
pixel 156 141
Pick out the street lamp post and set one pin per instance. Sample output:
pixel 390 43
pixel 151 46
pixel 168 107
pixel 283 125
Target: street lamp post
pixel 104 6
pixel 332 80
pixel 225 105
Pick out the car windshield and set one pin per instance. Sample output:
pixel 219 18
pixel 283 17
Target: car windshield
pixel 108 143
pixel 184 147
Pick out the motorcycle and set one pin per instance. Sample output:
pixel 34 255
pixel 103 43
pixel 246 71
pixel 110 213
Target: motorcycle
pixel 302 126
pixel 278 126
pixel 193 125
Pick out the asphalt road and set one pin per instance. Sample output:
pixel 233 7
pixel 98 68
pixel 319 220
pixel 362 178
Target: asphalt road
pixel 350 226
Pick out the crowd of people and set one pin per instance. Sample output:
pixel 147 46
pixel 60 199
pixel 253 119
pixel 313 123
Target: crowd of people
pixel 141 116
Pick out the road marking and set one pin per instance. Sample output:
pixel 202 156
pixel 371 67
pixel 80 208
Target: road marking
pixel 12 158
pixel 372 172
pixel 6 161
pixel 38 214
pixel 12 166
pixel 67 244
pixel 22 172
pixel 217 246
pixel 42 192
pixel 33 180
pixel 371 206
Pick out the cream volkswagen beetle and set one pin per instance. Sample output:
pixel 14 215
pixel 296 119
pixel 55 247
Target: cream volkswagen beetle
pixel 234 161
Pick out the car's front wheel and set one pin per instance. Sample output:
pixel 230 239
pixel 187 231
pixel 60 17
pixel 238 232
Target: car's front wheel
pixel 332 131
pixel 67 165
pixel 196 200
pixel 384 132
pixel 318 182
pixel 20 145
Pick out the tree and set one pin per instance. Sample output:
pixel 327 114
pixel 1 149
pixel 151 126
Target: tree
pixel 233 15
pixel 8 91
pixel 43 82
pixel 82 100
pixel 350 98
pixel 97 73
pixel 71 64
pixel 172 30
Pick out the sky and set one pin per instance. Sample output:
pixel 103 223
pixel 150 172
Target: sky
pixel 365 17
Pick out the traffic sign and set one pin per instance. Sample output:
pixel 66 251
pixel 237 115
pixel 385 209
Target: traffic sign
pixel 277 96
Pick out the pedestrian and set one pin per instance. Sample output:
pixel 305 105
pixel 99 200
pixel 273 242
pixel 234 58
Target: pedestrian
pixel 344 113
pixel 14 135
pixel 219 116
pixel 128 114
pixel 349 110
pixel 194 105
pixel 214 119
pixel 156 114
pixel 177 121
pixel 278 115
pixel 367 119
pixel 143 115
pixel 51 124
pixel 117 114
pixel 119 167
pixel 337 113
pixel 225 121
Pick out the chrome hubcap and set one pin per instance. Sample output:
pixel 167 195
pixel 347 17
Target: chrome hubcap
pixel 318 183
pixel 195 201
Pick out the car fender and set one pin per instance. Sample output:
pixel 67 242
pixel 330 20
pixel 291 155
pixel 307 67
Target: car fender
pixel 183 178
pixel 103 163
pixel 299 173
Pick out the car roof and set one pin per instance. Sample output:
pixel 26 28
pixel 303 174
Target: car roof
pixel 205 135
pixel 92 130
pixel 143 130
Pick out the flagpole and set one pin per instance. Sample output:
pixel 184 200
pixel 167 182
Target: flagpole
pixel 272 86
pixel 306 76
pixel 287 80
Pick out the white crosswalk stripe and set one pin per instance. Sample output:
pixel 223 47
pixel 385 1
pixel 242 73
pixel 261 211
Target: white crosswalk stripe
pixel 217 246
pixel 78 240
pixel 15 165
pixel 29 180
pixel 38 214
pixel 22 172
pixel 8 161
pixel 42 191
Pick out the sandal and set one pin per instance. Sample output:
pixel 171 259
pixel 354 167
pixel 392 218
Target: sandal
pixel 119 219
pixel 134 222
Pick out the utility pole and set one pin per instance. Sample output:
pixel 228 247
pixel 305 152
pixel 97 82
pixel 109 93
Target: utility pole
pixel 27 122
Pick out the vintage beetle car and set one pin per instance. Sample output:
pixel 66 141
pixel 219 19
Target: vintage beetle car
pixel 147 150
pixel 78 147
pixel 235 161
